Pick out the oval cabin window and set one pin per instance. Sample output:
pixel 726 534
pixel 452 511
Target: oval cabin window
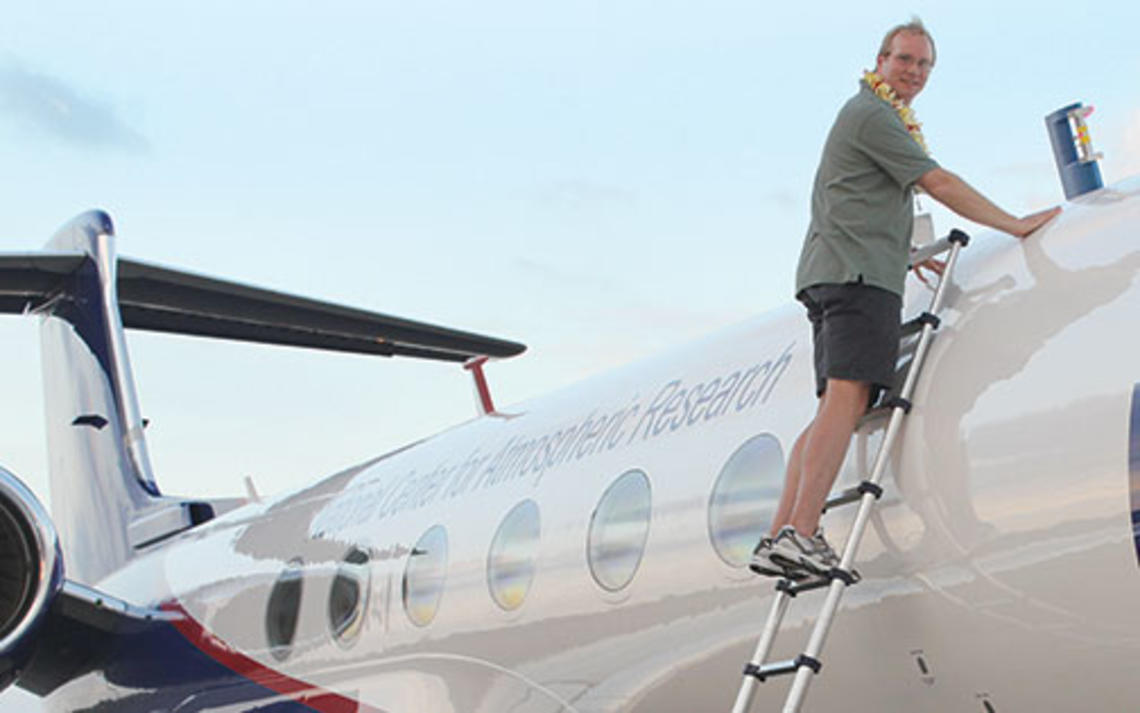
pixel 511 561
pixel 425 575
pixel 348 597
pixel 282 611
pixel 744 498
pixel 619 528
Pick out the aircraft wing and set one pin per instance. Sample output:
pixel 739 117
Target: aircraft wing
pixel 161 299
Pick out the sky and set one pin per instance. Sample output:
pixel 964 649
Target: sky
pixel 598 180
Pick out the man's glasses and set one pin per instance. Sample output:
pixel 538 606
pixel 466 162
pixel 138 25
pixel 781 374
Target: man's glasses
pixel 909 60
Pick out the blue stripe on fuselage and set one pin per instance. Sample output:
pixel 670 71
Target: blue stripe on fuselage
pixel 159 670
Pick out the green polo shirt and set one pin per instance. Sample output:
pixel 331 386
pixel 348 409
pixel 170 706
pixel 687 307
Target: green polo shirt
pixel 862 203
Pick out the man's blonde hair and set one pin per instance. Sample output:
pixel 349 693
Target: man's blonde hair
pixel 915 26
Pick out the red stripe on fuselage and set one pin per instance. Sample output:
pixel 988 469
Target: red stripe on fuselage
pixel 306 694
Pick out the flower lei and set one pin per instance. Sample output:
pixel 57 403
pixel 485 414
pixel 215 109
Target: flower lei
pixel 884 91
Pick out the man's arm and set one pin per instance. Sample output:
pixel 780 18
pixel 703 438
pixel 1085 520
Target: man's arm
pixel 957 195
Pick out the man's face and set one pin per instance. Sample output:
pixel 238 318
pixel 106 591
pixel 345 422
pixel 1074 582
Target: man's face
pixel 907 65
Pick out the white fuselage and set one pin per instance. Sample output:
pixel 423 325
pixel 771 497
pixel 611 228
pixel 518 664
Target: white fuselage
pixel 999 569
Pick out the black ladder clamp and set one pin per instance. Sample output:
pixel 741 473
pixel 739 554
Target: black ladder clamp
pixel 915 325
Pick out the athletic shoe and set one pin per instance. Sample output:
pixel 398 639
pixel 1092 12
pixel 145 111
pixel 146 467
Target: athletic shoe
pixel 764 564
pixel 801 557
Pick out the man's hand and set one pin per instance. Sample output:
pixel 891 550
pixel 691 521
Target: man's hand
pixel 938 267
pixel 1032 222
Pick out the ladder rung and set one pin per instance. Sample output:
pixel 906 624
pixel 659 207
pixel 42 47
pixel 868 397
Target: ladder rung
pixel 853 494
pixel 779 668
pixel 938 247
pixel 792 587
pixel 872 414
pixel 915 325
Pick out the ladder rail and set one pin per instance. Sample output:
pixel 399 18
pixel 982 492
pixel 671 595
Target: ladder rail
pixel 925 252
pixel 807 665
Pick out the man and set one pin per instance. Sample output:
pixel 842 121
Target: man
pixel 851 276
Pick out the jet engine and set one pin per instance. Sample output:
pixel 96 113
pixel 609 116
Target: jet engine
pixel 31 573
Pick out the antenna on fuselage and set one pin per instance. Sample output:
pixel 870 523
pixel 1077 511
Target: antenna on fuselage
pixel 1073 150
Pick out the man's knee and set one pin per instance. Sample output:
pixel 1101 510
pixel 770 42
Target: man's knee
pixel 846 395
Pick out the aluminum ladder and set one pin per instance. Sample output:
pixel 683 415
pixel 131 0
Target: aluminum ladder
pixel 866 494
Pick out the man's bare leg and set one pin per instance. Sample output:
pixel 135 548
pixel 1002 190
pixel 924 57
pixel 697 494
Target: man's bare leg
pixel 791 483
pixel 843 403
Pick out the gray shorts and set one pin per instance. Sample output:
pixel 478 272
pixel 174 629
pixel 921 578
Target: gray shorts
pixel 856 332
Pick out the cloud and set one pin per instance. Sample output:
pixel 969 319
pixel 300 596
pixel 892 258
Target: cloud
pixel 51 107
